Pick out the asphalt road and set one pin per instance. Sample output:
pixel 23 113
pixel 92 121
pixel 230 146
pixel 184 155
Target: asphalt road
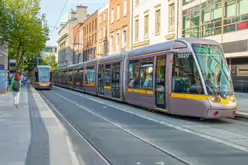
pixel 127 135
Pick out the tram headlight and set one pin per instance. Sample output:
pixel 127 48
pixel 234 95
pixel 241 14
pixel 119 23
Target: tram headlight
pixel 215 99
pixel 233 99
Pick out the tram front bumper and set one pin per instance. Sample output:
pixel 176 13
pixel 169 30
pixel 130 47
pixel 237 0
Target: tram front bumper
pixel 224 113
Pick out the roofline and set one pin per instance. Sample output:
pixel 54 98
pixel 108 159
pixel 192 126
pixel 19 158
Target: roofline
pixel 91 15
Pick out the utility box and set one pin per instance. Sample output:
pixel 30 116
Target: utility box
pixel 3 81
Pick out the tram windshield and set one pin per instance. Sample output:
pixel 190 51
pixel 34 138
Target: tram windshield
pixel 214 69
pixel 44 74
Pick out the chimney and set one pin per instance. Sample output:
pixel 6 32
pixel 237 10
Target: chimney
pixel 81 13
pixel 73 15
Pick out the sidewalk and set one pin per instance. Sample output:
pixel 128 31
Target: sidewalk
pixel 31 134
pixel 242 99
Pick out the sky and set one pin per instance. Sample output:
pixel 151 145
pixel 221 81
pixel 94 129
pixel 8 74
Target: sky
pixel 53 8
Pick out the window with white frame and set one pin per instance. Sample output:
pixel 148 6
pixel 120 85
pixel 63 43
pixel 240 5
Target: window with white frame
pixel 100 48
pixel 125 8
pixel 112 43
pixel 158 21
pixel 124 38
pixel 171 22
pixel 137 30
pixel 112 15
pixel 136 2
pixel 104 30
pixel 100 19
pixel 104 16
pixel 146 26
pixel 117 41
pixel 100 34
pixel 118 11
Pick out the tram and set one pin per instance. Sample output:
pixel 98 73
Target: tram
pixel 42 77
pixel 187 77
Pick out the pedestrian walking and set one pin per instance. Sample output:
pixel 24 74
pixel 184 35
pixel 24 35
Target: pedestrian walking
pixel 16 88
pixel 9 83
pixel 24 81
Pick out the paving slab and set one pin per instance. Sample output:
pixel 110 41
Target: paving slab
pixel 31 134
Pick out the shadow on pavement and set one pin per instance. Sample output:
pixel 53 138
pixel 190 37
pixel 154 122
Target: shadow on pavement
pixel 38 151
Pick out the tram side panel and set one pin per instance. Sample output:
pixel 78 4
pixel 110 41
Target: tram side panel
pixel 139 82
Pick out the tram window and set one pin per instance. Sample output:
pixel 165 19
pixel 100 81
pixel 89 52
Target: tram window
pixel 100 79
pixel 107 75
pixel 70 74
pixel 36 76
pixel 90 74
pixel 185 76
pixel 141 73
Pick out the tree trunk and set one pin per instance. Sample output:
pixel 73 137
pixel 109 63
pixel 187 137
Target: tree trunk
pixel 18 57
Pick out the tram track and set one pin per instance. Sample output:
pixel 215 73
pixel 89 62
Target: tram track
pixel 70 123
pixel 193 126
pixel 101 154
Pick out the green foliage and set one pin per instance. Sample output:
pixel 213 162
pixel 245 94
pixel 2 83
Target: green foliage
pixel 25 29
pixel 51 60
pixel 31 61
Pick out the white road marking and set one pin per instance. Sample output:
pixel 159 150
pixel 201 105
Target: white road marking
pixel 128 131
pixel 230 144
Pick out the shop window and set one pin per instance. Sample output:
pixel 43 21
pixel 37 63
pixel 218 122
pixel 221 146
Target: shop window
pixel 205 16
pixel 186 22
pixel 185 76
pixel 230 8
pixel 195 19
pixel 242 7
pixel 141 74
pixel 217 12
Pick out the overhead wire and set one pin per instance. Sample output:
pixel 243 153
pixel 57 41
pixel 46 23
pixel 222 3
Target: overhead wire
pixel 59 16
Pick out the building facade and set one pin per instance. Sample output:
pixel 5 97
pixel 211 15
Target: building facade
pixel 66 40
pixel 48 51
pixel 153 22
pixel 225 21
pixel 103 31
pixel 120 29
pixel 3 57
pixel 78 43
pixel 90 28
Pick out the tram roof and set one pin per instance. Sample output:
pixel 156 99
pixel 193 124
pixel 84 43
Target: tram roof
pixel 198 41
pixel 112 57
pixel 167 45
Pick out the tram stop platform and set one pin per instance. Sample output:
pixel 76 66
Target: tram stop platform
pixel 31 134
pixel 242 104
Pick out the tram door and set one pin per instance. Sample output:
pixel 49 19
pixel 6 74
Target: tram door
pixel 116 80
pixel 101 71
pixel 160 89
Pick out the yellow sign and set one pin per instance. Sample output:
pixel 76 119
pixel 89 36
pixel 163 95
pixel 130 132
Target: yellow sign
pixel 3 75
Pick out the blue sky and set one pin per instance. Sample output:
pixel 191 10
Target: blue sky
pixel 53 8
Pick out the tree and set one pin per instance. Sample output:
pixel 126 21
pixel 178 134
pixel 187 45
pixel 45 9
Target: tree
pixel 31 62
pixel 27 30
pixel 51 59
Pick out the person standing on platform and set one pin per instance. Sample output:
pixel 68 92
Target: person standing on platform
pixel 16 88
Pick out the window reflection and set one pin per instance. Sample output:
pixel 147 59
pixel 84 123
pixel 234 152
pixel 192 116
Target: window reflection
pixel 185 76
pixel 141 73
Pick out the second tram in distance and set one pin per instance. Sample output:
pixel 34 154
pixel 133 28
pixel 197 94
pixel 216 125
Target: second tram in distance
pixel 186 77
pixel 42 77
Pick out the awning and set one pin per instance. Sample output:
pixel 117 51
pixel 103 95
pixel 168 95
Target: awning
pixel 236 55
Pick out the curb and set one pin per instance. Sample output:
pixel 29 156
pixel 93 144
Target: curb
pixel 242 114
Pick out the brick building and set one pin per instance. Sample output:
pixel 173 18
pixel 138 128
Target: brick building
pixel 120 32
pixel 90 28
